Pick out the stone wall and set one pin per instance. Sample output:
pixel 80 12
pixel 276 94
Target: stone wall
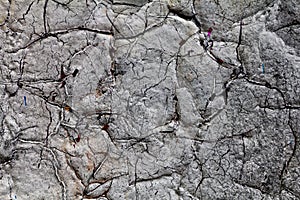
pixel 132 99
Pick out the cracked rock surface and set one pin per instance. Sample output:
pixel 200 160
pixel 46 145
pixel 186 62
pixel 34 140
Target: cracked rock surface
pixel 132 99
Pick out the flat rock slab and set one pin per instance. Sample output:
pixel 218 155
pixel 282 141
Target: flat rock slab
pixel 145 99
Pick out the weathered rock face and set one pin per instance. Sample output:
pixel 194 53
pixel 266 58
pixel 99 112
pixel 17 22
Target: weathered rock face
pixel 129 99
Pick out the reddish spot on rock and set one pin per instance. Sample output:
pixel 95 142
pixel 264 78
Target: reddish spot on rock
pixel 62 73
pixel 78 138
pixel 68 108
pixel 105 127
pixel 220 61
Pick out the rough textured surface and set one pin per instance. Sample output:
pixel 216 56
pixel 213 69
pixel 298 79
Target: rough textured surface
pixel 127 99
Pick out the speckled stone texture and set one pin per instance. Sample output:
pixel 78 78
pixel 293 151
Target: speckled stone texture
pixel 133 100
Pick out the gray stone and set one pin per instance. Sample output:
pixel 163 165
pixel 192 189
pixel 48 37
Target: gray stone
pixel 133 100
